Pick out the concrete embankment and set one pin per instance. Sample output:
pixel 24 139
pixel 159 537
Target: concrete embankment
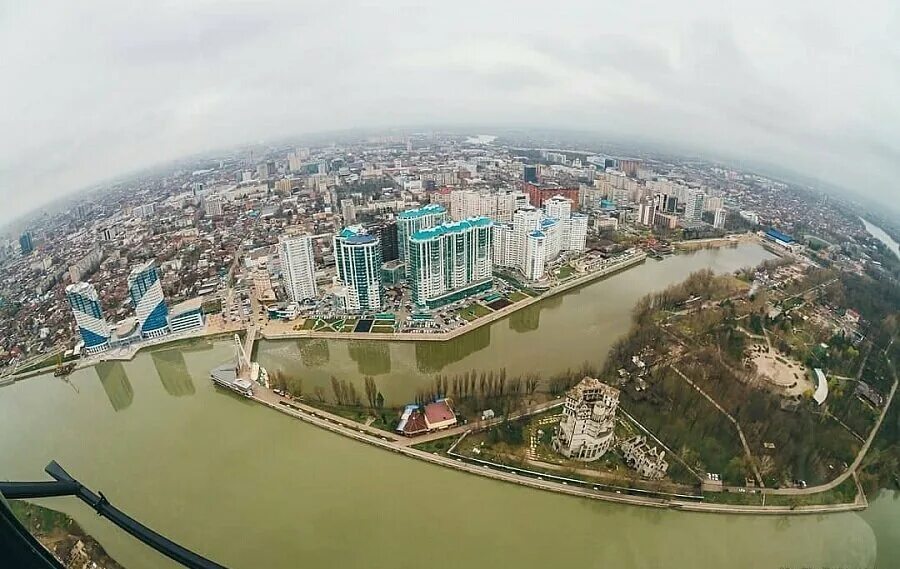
pixel 369 436
pixel 125 354
pixel 483 321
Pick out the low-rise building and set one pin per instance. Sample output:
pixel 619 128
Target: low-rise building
pixel 647 460
pixel 186 316
pixel 417 420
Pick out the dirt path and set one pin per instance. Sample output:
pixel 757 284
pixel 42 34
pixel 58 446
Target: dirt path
pixel 740 432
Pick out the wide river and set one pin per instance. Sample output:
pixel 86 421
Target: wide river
pixel 252 488
pixel 882 235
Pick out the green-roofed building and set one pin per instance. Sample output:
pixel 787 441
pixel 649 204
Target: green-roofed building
pixel 450 261
pixel 413 220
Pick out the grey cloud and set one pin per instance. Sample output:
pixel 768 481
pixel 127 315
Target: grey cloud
pixel 102 88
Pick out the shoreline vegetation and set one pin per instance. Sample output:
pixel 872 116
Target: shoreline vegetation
pixel 727 419
pixel 62 536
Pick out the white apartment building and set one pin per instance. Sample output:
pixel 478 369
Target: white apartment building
pixel 348 211
pixel 534 256
pixel 712 203
pixel 213 206
pixel 721 216
pixel 499 207
pixel 646 212
pixel 502 245
pixel 525 220
pixel 589 415
pixel 572 227
pixel 693 206
pixel 298 267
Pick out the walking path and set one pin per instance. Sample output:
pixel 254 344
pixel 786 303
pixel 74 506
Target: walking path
pixel 851 470
pixel 387 441
pixel 740 432
pixel 846 427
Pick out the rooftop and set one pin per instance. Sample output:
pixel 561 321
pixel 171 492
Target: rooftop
pixel 83 289
pixel 438 412
pixel 451 227
pixel 429 209
pixel 188 305
pixel 137 269
pixel 587 388
pixel 356 235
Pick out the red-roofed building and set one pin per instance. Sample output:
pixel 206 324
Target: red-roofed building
pixel 415 420
pixel 414 424
pixel 439 415
pixel 538 193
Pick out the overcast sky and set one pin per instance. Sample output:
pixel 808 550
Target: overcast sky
pixel 96 89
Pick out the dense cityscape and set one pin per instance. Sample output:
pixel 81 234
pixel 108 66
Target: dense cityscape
pixel 757 388
pixel 399 226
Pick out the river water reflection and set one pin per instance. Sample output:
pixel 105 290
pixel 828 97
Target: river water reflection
pixel 561 332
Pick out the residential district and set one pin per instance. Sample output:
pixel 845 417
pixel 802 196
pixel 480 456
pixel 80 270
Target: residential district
pixel 420 234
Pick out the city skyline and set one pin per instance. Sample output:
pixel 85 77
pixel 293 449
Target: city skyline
pixel 169 88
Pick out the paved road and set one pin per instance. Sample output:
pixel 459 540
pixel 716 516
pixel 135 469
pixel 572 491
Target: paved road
pixel 270 397
pixel 355 431
pixel 478 425
pixel 856 462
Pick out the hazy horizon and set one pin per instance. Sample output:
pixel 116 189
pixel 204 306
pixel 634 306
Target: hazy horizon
pixel 804 89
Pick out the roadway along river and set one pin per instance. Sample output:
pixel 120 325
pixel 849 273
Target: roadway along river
pixel 253 488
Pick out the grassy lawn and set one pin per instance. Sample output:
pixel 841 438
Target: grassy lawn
pixel 565 272
pixel 439 446
pixel 473 311
pixel 49 360
pixel 843 494
pixel 466 315
pixel 517 296
pixel 382 329
pixel 386 419
pixel 734 498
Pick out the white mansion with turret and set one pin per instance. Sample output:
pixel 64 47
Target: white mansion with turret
pixel 589 416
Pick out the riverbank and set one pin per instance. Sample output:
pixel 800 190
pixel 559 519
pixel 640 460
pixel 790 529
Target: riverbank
pixel 129 353
pixel 541 481
pixel 716 242
pixel 62 536
pixel 636 259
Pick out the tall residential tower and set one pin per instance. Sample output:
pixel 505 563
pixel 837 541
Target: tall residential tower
pixel 89 316
pixel 413 220
pixel 357 255
pixel 298 267
pixel 146 294
pixel 450 261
